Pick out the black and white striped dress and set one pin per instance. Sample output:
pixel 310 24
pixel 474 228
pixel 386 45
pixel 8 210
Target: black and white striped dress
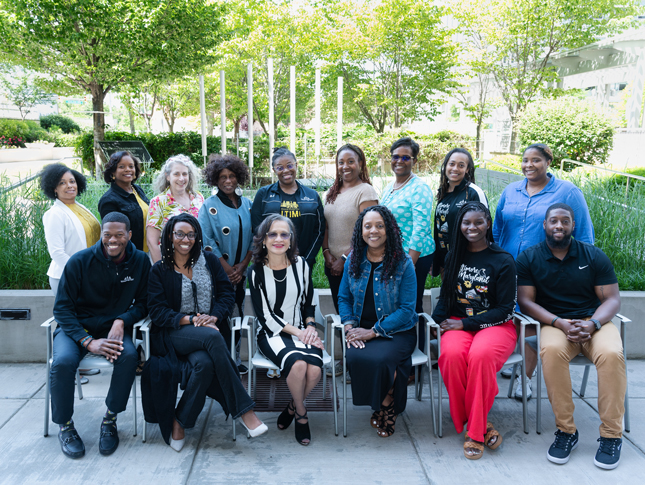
pixel 283 297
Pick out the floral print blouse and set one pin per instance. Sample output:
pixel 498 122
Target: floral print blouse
pixel 164 206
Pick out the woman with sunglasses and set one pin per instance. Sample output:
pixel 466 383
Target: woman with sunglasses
pixel 293 200
pixel 189 299
pixel 282 295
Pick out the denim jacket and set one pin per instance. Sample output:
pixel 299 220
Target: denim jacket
pixel 395 302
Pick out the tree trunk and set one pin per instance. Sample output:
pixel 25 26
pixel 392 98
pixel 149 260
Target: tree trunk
pixel 478 151
pixel 512 147
pixel 131 115
pixel 98 96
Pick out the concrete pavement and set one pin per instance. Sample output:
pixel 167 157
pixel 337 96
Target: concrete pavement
pixel 411 456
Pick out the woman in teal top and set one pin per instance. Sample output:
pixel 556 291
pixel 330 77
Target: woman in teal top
pixel 410 200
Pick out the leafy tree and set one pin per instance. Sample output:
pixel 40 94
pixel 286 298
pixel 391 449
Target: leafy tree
pixel 21 89
pixel 94 46
pixel 175 98
pixel 518 38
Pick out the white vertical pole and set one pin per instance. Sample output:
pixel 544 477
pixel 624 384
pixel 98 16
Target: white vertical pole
pixel 292 84
pixel 249 116
pixel 339 126
pixel 317 115
pixel 222 109
pixel 271 114
pixel 202 109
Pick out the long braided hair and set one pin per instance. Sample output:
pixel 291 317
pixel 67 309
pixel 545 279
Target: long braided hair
pixel 334 190
pixel 458 248
pixel 167 244
pixel 394 254
pixel 444 186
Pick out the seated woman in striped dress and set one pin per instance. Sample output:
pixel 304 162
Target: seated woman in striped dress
pixel 282 294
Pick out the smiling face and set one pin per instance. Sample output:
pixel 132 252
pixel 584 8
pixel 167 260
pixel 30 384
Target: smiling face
pixel 66 190
pixel 278 238
pixel 534 166
pixel 286 169
pixel 456 168
pixel 558 227
pixel 178 178
pixel 227 181
pixel 349 166
pixel 374 233
pixel 115 239
pixel 183 238
pixel 125 171
pixel 402 162
pixel 474 226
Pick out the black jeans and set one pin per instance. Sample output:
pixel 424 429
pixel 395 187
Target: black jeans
pixel 213 370
pixel 67 355
pixel 334 285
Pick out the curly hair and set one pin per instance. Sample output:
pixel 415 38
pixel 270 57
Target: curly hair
pixel 332 193
pixel 160 183
pixel 442 191
pixel 167 244
pixel 394 254
pixel 113 163
pixel 543 148
pixel 217 163
pixel 406 142
pixel 458 248
pixel 260 252
pixel 51 177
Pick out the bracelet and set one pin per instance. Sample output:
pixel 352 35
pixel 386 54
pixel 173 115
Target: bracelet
pixel 83 340
pixel 89 342
pixel 553 321
pixel 325 249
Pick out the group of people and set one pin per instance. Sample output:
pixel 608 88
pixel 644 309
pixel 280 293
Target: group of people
pixel 377 257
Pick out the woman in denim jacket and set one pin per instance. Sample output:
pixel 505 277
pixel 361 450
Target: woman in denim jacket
pixel 377 300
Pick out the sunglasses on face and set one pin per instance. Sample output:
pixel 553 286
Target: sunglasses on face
pixel 404 158
pixel 281 168
pixel 282 235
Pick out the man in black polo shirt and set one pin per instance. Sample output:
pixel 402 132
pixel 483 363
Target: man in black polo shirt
pixel 571 288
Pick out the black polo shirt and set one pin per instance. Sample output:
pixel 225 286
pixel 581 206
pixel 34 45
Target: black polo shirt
pixel 565 288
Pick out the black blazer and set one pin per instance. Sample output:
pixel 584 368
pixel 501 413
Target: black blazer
pixel 118 200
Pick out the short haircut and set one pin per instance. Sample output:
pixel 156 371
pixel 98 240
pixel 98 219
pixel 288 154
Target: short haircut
pixel 113 162
pixel 217 163
pixel 281 152
pixel 116 217
pixel 543 148
pixel 406 142
pixel 53 173
pixel 562 206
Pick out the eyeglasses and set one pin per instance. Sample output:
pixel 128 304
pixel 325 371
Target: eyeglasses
pixel 180 235
pixel 283 235
pixel 404 158
pixel 281 168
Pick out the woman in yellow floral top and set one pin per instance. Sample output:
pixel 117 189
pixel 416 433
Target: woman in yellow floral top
pixel 177 187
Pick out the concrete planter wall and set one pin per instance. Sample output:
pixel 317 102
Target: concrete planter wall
pixel 33 154
pixel 24 340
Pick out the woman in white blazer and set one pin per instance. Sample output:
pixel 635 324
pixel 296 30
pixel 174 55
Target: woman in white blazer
pixel 69 226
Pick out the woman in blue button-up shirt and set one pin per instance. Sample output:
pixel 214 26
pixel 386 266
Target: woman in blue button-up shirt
pixel 377 301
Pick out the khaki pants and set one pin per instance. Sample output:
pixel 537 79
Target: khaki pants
pixel 605 350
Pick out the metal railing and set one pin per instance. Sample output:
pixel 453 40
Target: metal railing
pixel 616 172
pixel 21 182
pixel 482 163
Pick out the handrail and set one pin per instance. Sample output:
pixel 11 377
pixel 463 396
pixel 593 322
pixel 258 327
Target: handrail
pixel 478 162
pixel 583 164
pixel 21 182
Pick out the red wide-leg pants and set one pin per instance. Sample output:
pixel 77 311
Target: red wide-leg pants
pixel 469 363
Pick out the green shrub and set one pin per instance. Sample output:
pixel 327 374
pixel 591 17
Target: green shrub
pixel 14 129
pixel 66 124
pixel 573 128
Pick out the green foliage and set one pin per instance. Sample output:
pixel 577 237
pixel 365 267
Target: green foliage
pixel 67 125
pixel 27 131
pixel 573 128
pixel 22 89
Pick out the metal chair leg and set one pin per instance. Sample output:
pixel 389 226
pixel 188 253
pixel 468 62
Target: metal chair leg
pixel 432 408
pixel 585 378
pixel 47 399
pixel 510 384
pixel 78 384
pixel 134 402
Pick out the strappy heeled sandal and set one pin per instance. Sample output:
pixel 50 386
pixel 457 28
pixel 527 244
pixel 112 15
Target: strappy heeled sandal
pixel 302 429
pixel 473 450
pixel 491 433
pixel 376 421
pixel 389 420
pixel 286 416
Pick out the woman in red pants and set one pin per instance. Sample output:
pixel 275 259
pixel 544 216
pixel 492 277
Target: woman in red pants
pixel 475 311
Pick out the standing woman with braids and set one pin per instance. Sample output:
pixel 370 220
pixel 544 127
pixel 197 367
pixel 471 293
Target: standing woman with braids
pixel 377 301
pixel 456 187
pixel 475 313
pixel 189 299
pixel 351 194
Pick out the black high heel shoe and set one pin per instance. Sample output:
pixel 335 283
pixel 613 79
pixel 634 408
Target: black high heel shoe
pixel 286 416
pixel 302 430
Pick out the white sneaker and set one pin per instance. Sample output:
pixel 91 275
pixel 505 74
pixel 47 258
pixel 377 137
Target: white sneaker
pixel 506 372
pixel 518 389
pixel 273 373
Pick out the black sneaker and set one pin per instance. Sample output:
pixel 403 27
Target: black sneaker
pixel 109 439
pixel 242 369
pixel 608 454
pixel 562 447
pixel 71 443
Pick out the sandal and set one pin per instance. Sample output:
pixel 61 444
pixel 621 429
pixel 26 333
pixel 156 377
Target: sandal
pixel 286 416
pixel 473 450
pixel 389 420
pixel 492 434
pixel 302 429
pixel 376 421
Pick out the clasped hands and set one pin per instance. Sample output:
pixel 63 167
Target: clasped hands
pixel 357 337
pixel 309 336
pixel 451 324
pixel 112 346
pixel 201 320
pixel 335 265
pixel 577 331
pixel 236 273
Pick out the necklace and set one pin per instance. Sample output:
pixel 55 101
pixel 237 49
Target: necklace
pixel 276 279
pixel 394 189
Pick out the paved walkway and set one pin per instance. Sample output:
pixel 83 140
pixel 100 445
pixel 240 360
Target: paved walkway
pixel 411 456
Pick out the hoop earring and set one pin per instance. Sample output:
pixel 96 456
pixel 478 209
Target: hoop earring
pixel 238 191
pixel 215 190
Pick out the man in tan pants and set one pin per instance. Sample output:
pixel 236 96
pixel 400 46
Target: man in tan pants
pixel 571 288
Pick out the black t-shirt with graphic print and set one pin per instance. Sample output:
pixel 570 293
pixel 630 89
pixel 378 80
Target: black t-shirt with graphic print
pixel 289 208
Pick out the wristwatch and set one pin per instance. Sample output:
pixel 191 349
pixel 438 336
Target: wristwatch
pixel 596 323
pixel 190 319
pixel 344 257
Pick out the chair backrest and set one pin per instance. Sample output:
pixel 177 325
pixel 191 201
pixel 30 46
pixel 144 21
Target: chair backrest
pixel 434 297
